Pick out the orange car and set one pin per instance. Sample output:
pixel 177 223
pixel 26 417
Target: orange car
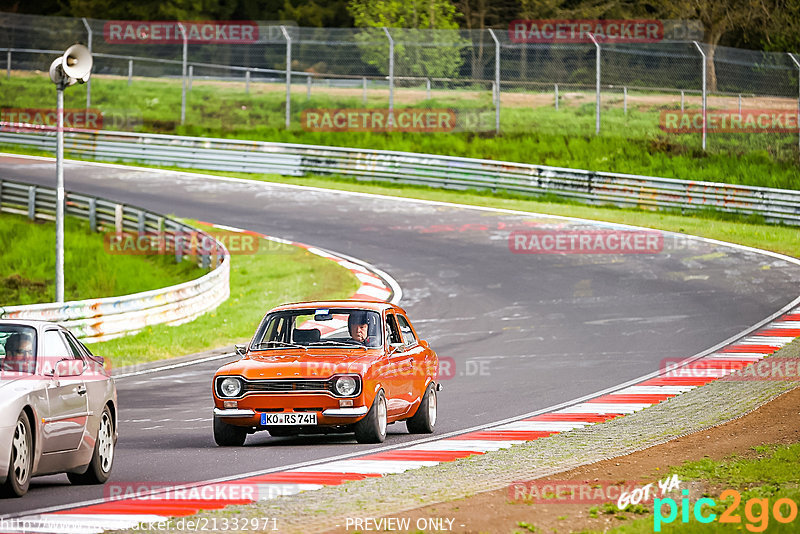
pixel 320 367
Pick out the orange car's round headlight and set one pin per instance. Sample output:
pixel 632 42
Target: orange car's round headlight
pixel 230 387
pixel 345 386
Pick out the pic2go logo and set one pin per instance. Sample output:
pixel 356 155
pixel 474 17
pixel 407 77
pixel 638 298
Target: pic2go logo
pixel 756 511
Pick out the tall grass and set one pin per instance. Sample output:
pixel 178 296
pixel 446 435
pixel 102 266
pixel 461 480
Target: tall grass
pixel 27 269
pixel 628 143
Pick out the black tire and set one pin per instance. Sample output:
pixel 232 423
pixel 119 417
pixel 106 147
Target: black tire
pixel 228 435
pixel 424 420
pixel 372 428
pixel 18 478
pixel 103 457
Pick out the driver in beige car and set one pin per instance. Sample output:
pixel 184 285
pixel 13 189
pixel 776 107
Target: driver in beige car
pixel 19 353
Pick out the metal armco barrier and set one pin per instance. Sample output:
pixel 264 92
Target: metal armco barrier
pixel 107 318
pixel 775 205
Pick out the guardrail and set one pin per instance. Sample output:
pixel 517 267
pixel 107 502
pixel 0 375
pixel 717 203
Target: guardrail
pixel 775 205
pixel 107 318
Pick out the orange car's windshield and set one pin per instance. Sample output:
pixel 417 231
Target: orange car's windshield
pixel 320 328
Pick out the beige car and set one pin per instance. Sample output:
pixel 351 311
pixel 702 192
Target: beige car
pixel 58 407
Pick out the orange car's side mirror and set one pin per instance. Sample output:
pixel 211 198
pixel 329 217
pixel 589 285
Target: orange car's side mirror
pixel 424 344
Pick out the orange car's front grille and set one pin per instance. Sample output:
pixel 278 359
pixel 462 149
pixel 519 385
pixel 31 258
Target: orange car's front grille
pixel 285 386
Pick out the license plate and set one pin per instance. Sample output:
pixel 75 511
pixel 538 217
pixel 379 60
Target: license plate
pixel 288 418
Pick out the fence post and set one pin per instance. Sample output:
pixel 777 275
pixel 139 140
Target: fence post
pixel 119 221
pixel 191 78
pixel 8 64
pixel 364 90
pixel 391 69
pixel 32 203
pixel 89 81
pixel 308 87
pixel 556 97
pixel 140 221
pixel 703 56
pixel 183 72
pixel 247 82
pixel 597 85
pixel 496 82
pixel 683 98
pixel 797 64
pixel 288 75
pixel 740 103
pixel 427 88
pixel 93 214
pixel 625 100
pixel 130 72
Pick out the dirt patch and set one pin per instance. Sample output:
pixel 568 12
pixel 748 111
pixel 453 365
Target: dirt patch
pixel 777 422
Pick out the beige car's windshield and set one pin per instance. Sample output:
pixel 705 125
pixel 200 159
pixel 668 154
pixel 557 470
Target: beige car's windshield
pixel 17 348
pixel 324 327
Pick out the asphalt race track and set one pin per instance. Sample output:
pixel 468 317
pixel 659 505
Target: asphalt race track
pixel 526 331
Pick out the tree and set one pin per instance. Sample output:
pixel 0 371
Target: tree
pixel 417 51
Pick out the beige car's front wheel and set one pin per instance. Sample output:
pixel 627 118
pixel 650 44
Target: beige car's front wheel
pixel 18 478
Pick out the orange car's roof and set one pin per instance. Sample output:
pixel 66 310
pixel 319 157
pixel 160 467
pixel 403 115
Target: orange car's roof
pixel 362 304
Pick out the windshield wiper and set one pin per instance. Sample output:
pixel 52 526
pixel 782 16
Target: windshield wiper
pixel 341 343
pixel 281 343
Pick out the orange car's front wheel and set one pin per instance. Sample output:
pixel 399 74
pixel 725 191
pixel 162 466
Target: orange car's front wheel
pixel 372 428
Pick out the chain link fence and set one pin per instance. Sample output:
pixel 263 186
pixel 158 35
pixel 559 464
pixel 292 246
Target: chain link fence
pixel 488 81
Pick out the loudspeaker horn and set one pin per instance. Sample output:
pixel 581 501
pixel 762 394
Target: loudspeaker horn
pixel 77 63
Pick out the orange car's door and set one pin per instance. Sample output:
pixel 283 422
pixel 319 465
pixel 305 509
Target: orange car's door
pixel 398 371
pixel 417 354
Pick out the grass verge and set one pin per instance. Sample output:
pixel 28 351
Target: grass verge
pixel 533 132
pixel 275 274
pixel 759 483
pixel 27 272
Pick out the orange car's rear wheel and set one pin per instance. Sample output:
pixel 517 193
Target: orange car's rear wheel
pixel 226 435
pixel 372 428
pixel 424 421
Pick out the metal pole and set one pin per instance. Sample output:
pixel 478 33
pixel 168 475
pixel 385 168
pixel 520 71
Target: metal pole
pixel 183 72
pixel 391 69
pixel 625 100
pixel 308 87
pixel 496 82
pixel 60 195
pixel 89 82
pixel 130 72
pixel 191 77
pixel 364 90
pixel 683 98
pixel 288 75
pixel 597 85
pixel 428 88
pixel 247 82
pixel 556 97
pixel 740 103
pixel 703 55
pixel 8 64
pixel 797 64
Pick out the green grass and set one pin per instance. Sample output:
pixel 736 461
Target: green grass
pixel 27 269
pixel 772 475
pixel 276 274
pixel 631 143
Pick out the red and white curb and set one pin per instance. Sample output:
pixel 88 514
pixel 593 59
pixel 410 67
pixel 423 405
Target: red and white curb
pixel 158 506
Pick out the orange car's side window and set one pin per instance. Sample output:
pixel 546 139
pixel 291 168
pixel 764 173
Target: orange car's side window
pixel 392 332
